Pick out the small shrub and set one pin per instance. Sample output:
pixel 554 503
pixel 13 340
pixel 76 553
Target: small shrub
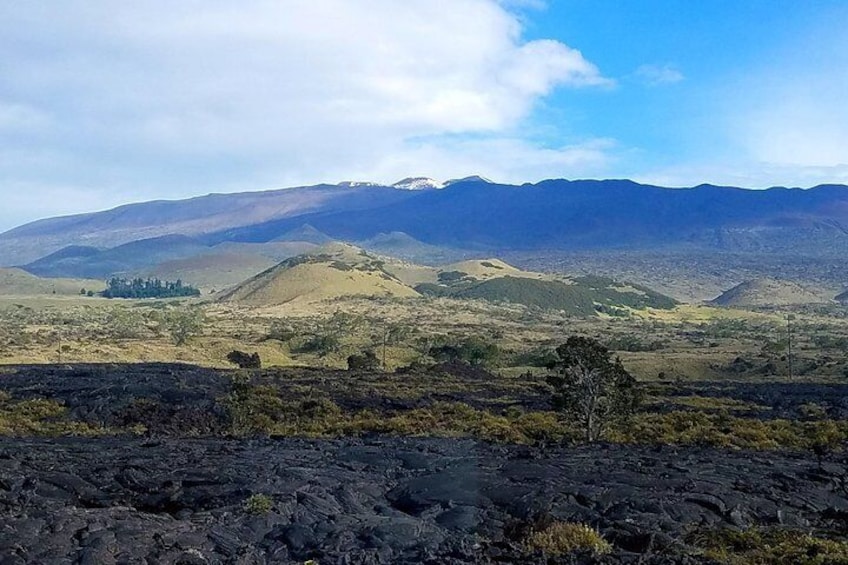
pixel 472 350
pixel 561 538
pixel 366 362
pixel 258 504
pixel 322 344
pixel 813 411
pixel 123 323
pixel 281 331
pixel 184 324
pixel 253 409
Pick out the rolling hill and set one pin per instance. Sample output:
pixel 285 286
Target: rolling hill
pixel 342 270
pixel 495 281
pixel 334 271
pixel 768 292
pixel 16 282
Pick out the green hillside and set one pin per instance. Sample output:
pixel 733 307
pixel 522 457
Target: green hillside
pixel 584 296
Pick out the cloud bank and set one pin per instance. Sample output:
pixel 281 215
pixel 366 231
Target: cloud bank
pixel 131 101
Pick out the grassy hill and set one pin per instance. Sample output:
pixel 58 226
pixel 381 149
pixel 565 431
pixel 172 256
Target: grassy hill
pixel 583 296
pixel 497 281
pixel 767 292
pixel 341 270
pixel 337 270
pixel 17 282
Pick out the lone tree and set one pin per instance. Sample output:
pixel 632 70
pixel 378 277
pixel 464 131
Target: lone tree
pixel 590 388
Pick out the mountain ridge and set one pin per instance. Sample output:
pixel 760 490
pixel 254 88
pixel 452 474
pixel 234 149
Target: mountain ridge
pixel 474 214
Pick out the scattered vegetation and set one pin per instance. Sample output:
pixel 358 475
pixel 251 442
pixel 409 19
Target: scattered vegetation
pixel 561 538
pixel 184 324
pixel 39 417
pixel 756 546
pixel 726 431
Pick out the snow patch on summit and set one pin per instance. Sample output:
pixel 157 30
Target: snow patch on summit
pixel 417 183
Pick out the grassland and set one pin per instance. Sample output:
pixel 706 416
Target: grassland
pixel 686 343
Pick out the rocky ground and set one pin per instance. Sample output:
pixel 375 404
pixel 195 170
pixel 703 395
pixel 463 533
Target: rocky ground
pixel 171 498
pixel 106 394
pixel 380 500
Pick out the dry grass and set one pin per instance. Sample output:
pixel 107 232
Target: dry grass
pixel 697 342
pixel 561 538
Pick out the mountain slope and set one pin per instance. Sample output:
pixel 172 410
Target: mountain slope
pixel 553 215
pixel 88 262
pixel 192 217
pixel 576 215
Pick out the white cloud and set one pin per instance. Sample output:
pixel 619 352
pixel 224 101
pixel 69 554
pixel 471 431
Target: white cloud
pixel 174 98
pixel 655 75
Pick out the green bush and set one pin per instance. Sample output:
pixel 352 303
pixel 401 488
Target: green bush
pixel 258 504
pixel 321 344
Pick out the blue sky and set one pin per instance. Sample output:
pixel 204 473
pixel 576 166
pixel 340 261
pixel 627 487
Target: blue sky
pixel 103 103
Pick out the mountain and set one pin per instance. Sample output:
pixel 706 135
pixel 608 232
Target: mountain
pixel 334 271
pixel 473 178
pixel 305 233
pixel 404 246
pixel 593 215
pixel 227 264
pixel 767 292
pixel 418 183
pixel 213 213
pixel 93 263
pixel 552 216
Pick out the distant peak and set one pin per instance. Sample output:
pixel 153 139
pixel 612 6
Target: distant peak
pixel 417 183
pixel 473 178
pixel 355 183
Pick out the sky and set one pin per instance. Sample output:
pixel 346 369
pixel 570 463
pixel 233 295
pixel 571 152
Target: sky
pixel 104 103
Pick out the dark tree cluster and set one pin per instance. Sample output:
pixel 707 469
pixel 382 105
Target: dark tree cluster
pixel 147 288
pixel 245 360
